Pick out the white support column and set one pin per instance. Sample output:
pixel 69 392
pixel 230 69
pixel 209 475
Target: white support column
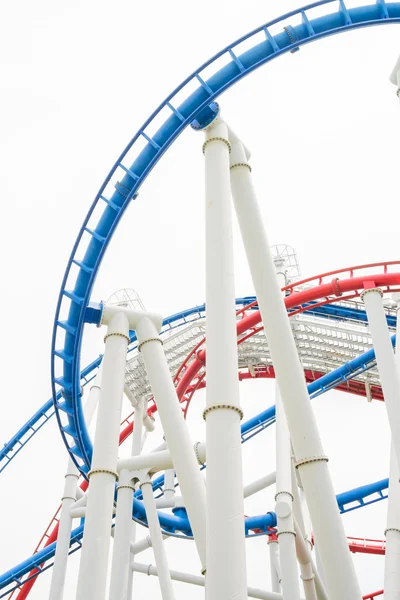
pixel 140 417
pixel 385 360
pixel 125 528
pixel 169 486
pixel 309 574
pixel 96 539
pixel 167 591
pixel 319 569
pixel 284 495
pixel 226 552
pixel 273 563
pixel 392 555
pixel 175 430
pixel 64 533
pixel 340 573
pixel 392 533
pixel 59 570
pixel 283 507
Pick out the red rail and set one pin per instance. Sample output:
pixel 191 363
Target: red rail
pixel 366 546
pixel 373 595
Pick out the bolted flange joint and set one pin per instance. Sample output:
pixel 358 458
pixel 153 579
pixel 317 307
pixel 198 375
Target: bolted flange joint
pixel 218 406
pixel 369 290
pixel 311 459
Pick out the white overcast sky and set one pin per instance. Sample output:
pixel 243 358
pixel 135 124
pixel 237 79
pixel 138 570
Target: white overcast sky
pixel 77 79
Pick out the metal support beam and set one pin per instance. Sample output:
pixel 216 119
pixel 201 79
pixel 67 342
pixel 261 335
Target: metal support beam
pixel 96 539
pixel 226 552
pixel 392 555
pixel 340 574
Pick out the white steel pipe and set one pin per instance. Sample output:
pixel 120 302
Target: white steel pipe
pixel 283 508
pixel 143 544
pixel 80 494
pixel 154 461
pixel 96 538
pixel 123 519
pixel 309 574
pixel 71 493
pixel 284 496
pixel 175 430
pixel 392 555
pixel 340 573
pixel 303 547
pixel 169 485
pixel 64 532
pixel 167 591
pixel 392 533
pixel 300 508
pixel 273 563
pixel 139 422
pixel 226 552
pixel 259 484
pixel 200 581
pixel 79 503
pixel 385 360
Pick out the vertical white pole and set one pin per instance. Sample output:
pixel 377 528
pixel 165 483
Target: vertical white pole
pixel 392 532
pixel 64 532
pixel 392 556
pixel 283 507
pixel 385 359
pixel 169 485
pixel 306 567
pixel 59 570
pixel 284 495
pixel 123 520
pixel 96 539
pixel 167 591
pixel 175 430
pixel 139 416
pixel 273 561
pixel 226 552
pixel 340 574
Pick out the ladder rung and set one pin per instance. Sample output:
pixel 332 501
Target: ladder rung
pixel 151 141
pixel 175 111
pixel 204 84
pixel 111 204
pixel 271 40
pixel 236 60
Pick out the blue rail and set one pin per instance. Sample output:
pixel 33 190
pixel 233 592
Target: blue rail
pixel 124 181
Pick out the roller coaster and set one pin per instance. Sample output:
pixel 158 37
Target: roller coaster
pixel 336 330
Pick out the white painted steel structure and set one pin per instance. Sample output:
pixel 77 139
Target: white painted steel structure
pixel 215 509
pixel 320 343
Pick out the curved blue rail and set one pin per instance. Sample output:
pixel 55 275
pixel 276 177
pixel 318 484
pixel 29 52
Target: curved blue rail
pixel 19 440
pixel 123 183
